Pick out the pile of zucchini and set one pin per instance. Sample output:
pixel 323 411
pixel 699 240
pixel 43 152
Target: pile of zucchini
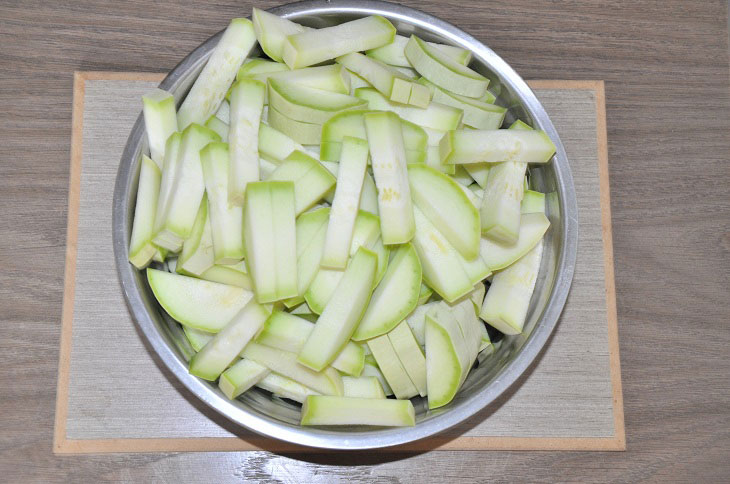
pixel 324 223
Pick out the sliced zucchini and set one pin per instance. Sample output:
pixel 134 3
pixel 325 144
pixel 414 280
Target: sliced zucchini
pixel 500 209
pixel 394 53
pixel 211 86
pixel 141 249
pixel 392 368
pixel 417 321
pixel 218 354
pixel 477 146
pixel 315 46
pixel 200 304
pixel 369 195
pixel 434 161
pixel 247 102
pixel 326 410
pixel 288 332
pixel 327 381
pixel 272 31
pixel 362 387
pixel 424 294
pixel 226 220
pixel 532 202
pixel 447 356
pixel 311 180
pixel 160 121
pixel 253 67
pixel 498 256
pixel 197 252
pixel 436 66
pixel 311 228
pixel 442 266
pixel 477 114
pixel 371 369
pixel 410 355
pixel 274 145
pixel 197 338
pixel 299 131
pixel 436 115
pixel 269 238
pixel 351 175
pixel 306 104
pixel 508 298
pixel 241 376
pixel 447 207
pixel 331 78
pixel 227 274
pixel 186 191
pixel 224 112
pixel 387 153
pixel 479 172
pixel 285 387
pixel 219 127
pixel 342 313
pixel 387 80
pixel 395 297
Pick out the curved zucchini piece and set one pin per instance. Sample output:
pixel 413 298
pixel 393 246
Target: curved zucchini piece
pixel 351 175
pixel 197 252
pixel 500 209
pixel 241 376
pixel 228 274
pixel 342 313
pixel 141 249
pixel 508 298
pixel 391 367
pixel 160 121
pixel 394 53
pixel 315 46
pixel 449 209
pixel 226 220
pixel 219 127
pixel 434 161
pixel 442 266
pixel 436 66
pixel 498 256
pixel 424 294
pixel 331 78
pixel 274 145
pixel 410 355
pixel 383 254
pixel 477 114
pixel 395 297
pixel 200 304
pixel 253 67
pixel 197 338
pixel 477 146
pixel 532 202
pixel 436 115
pixel 479 172
pixel 390 82
pixel 169 170
pixel 288 332
pixel 325 410
pixel 311 180
pixel 224 112
pixel 369 196
pixel 272 31
pixel 186 191
pixel 466 318
pixel 225 346
pixel 299 131
pixel 327 381
pixel 362 387
pixel 306 104
pixel 269 237
pixel 447 356
pixel 473 197
pixel 285 387
pixel 387 154
pixel 212 84
pixel 247 103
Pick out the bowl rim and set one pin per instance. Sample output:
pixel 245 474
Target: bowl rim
pixel 462 410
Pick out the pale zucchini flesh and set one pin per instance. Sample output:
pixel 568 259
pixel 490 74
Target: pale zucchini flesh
pixel 362 387
pixel 390 82
pixel 274 145
pixel 342 313
pixel 307 104
pixel 532 228
pixel 477 146
pixel 226 274
pixel 271 32
pixel 436 115
pixel 387 153
pixel 141 249
pixel 315 46
pixel 327 410
pixel 394 53
pixel 160 120
pixel 410 355
pixel 197 253
pixel 200 304
pixel 477 114
pixel 226 220
pixel 500 209
pixel 532 201
pixel 247 102
pixel 299 131
pixel 211 86
pixel 332 78
pixel 285 387
pixel 391 367
pixel 241 376
pixel 311 180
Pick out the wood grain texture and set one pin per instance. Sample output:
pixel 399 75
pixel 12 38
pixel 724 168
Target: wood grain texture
pixel 566 401
pixel 667 91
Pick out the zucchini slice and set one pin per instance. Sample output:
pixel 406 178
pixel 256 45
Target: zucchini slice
pixel 436 115
pixel 247 103
pixel 311 180
pixel 362 387
pixel 326 410
pixel 394 53
pixel 160 121
pixel 241 376
pixel 477 146
pixel 141 249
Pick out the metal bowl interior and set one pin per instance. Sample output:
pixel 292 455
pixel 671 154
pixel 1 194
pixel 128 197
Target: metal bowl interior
pixel 258 410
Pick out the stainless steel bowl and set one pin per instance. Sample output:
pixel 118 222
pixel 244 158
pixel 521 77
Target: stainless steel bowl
pixel 276 418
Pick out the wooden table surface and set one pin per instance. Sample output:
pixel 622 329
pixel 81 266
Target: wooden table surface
pixel 665 64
